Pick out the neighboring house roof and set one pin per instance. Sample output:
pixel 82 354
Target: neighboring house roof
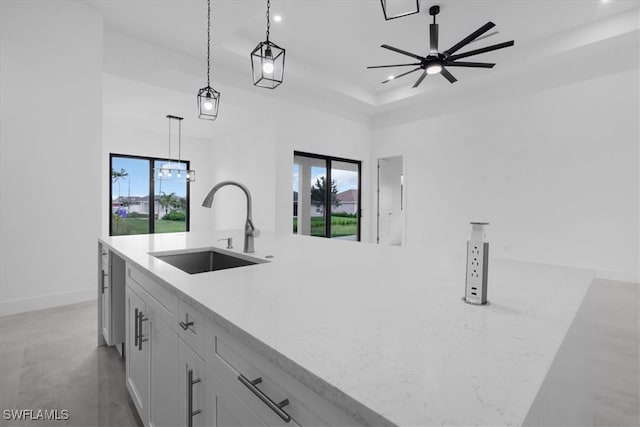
pixel 348 196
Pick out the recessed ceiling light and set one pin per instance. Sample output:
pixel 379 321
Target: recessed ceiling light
pixel 606 1
pixel 392 77
pixel 277 18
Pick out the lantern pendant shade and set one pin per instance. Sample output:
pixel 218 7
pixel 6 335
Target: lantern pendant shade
pixel 208 103
pixel 393 9
pixel 267 65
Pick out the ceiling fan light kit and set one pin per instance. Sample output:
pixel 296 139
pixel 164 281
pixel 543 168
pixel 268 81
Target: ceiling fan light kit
pixel 267 61
pixel 393 9
pixel 436 62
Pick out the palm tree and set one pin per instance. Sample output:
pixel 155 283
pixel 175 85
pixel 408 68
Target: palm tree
pixel 117 176
pixel 166 201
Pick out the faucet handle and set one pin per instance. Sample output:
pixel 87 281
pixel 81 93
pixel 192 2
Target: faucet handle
pixel 255 232
pixel 229 242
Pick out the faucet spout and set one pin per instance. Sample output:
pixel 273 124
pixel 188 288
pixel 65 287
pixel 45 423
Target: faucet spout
pixel 249 229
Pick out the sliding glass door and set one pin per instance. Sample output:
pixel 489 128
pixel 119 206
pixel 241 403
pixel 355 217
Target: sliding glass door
pixel 326 196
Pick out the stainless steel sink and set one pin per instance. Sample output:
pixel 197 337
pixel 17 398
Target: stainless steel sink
pixel 202 261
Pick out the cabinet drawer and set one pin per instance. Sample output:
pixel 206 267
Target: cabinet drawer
pixel 191 326
pixel 164 301
pixel 230 358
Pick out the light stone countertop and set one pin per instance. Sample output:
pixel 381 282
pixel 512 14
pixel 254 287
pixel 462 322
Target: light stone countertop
pixel 380 331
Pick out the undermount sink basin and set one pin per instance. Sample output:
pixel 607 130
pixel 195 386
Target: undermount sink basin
pixel 204 260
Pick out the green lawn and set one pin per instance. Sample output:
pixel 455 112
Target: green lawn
pixel 141 226
pixel 340 226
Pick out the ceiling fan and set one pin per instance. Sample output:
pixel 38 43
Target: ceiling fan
pixel 436 62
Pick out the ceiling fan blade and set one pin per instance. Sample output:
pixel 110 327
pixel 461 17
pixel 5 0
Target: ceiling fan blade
pixel 447 75
pixel 433 37
pixel 420 79
pixel 486 36
pixel 479 51
pixel 395 65
pixel 403 52
pixel 401 75
pixel 471 37
pixel 470 64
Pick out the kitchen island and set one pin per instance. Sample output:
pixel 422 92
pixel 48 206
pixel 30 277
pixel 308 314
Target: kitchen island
pixel 380 333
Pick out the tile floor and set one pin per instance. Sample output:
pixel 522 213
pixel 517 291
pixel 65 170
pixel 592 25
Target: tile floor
pixel 49 360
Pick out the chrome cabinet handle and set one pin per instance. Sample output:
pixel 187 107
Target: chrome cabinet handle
pixel 141 338
pixel 186 325
pixel 190 412
pixel 275 407
pixel 136 330
pixel 102 284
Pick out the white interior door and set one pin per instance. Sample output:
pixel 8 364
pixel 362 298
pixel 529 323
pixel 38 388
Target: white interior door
pixel 390 201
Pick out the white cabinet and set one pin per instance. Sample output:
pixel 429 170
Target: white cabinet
pixel 105 295
pixel 111 298
pixel 184 369
pixel 165 378
pixel 225 408
pixel 192 385
pixel 138 353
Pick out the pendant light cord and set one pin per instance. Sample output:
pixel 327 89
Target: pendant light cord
pixel 268 18
pixel 179 141
pixel 169 159
pixel 208 43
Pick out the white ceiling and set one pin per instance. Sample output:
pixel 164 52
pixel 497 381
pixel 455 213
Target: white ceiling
pixel 330 42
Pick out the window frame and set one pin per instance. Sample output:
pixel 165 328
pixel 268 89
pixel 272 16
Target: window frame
pixel 327 196
pixel 152 196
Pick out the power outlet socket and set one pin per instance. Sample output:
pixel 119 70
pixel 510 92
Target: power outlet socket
pixel 477 269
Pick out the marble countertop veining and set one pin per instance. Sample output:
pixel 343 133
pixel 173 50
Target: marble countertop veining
pixel 380 331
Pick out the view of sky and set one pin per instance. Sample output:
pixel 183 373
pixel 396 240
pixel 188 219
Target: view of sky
pixel 345 180
pixel 136 183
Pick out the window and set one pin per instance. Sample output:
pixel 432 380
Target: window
pixel 321 209
pixel 139 204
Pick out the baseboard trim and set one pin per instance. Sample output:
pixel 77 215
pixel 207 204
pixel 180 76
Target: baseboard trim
pixel 618 276
pixel 22 305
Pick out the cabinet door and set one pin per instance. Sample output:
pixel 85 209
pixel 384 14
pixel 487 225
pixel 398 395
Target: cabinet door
pixel 165 374
pixel 192 385
pixel 105 295
pixel 225 408
pixel 137 357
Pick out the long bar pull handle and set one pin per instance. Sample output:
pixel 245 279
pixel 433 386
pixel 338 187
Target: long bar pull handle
pixel 141 339
pixel 190 412
pixel 102 284
pixel 136 330
pixel 275 407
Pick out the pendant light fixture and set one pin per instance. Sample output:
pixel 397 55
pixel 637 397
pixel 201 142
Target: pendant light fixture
pixel 174 171
pixel 208 97
pixel 393 9
pixel 267 61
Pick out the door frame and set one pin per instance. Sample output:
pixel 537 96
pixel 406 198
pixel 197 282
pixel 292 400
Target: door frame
pixel 403 195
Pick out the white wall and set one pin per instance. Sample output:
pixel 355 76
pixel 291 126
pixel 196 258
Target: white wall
pixel 50 134
pixel 131 127
pixel 555 172
pixel 259 153
pixel 252 141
